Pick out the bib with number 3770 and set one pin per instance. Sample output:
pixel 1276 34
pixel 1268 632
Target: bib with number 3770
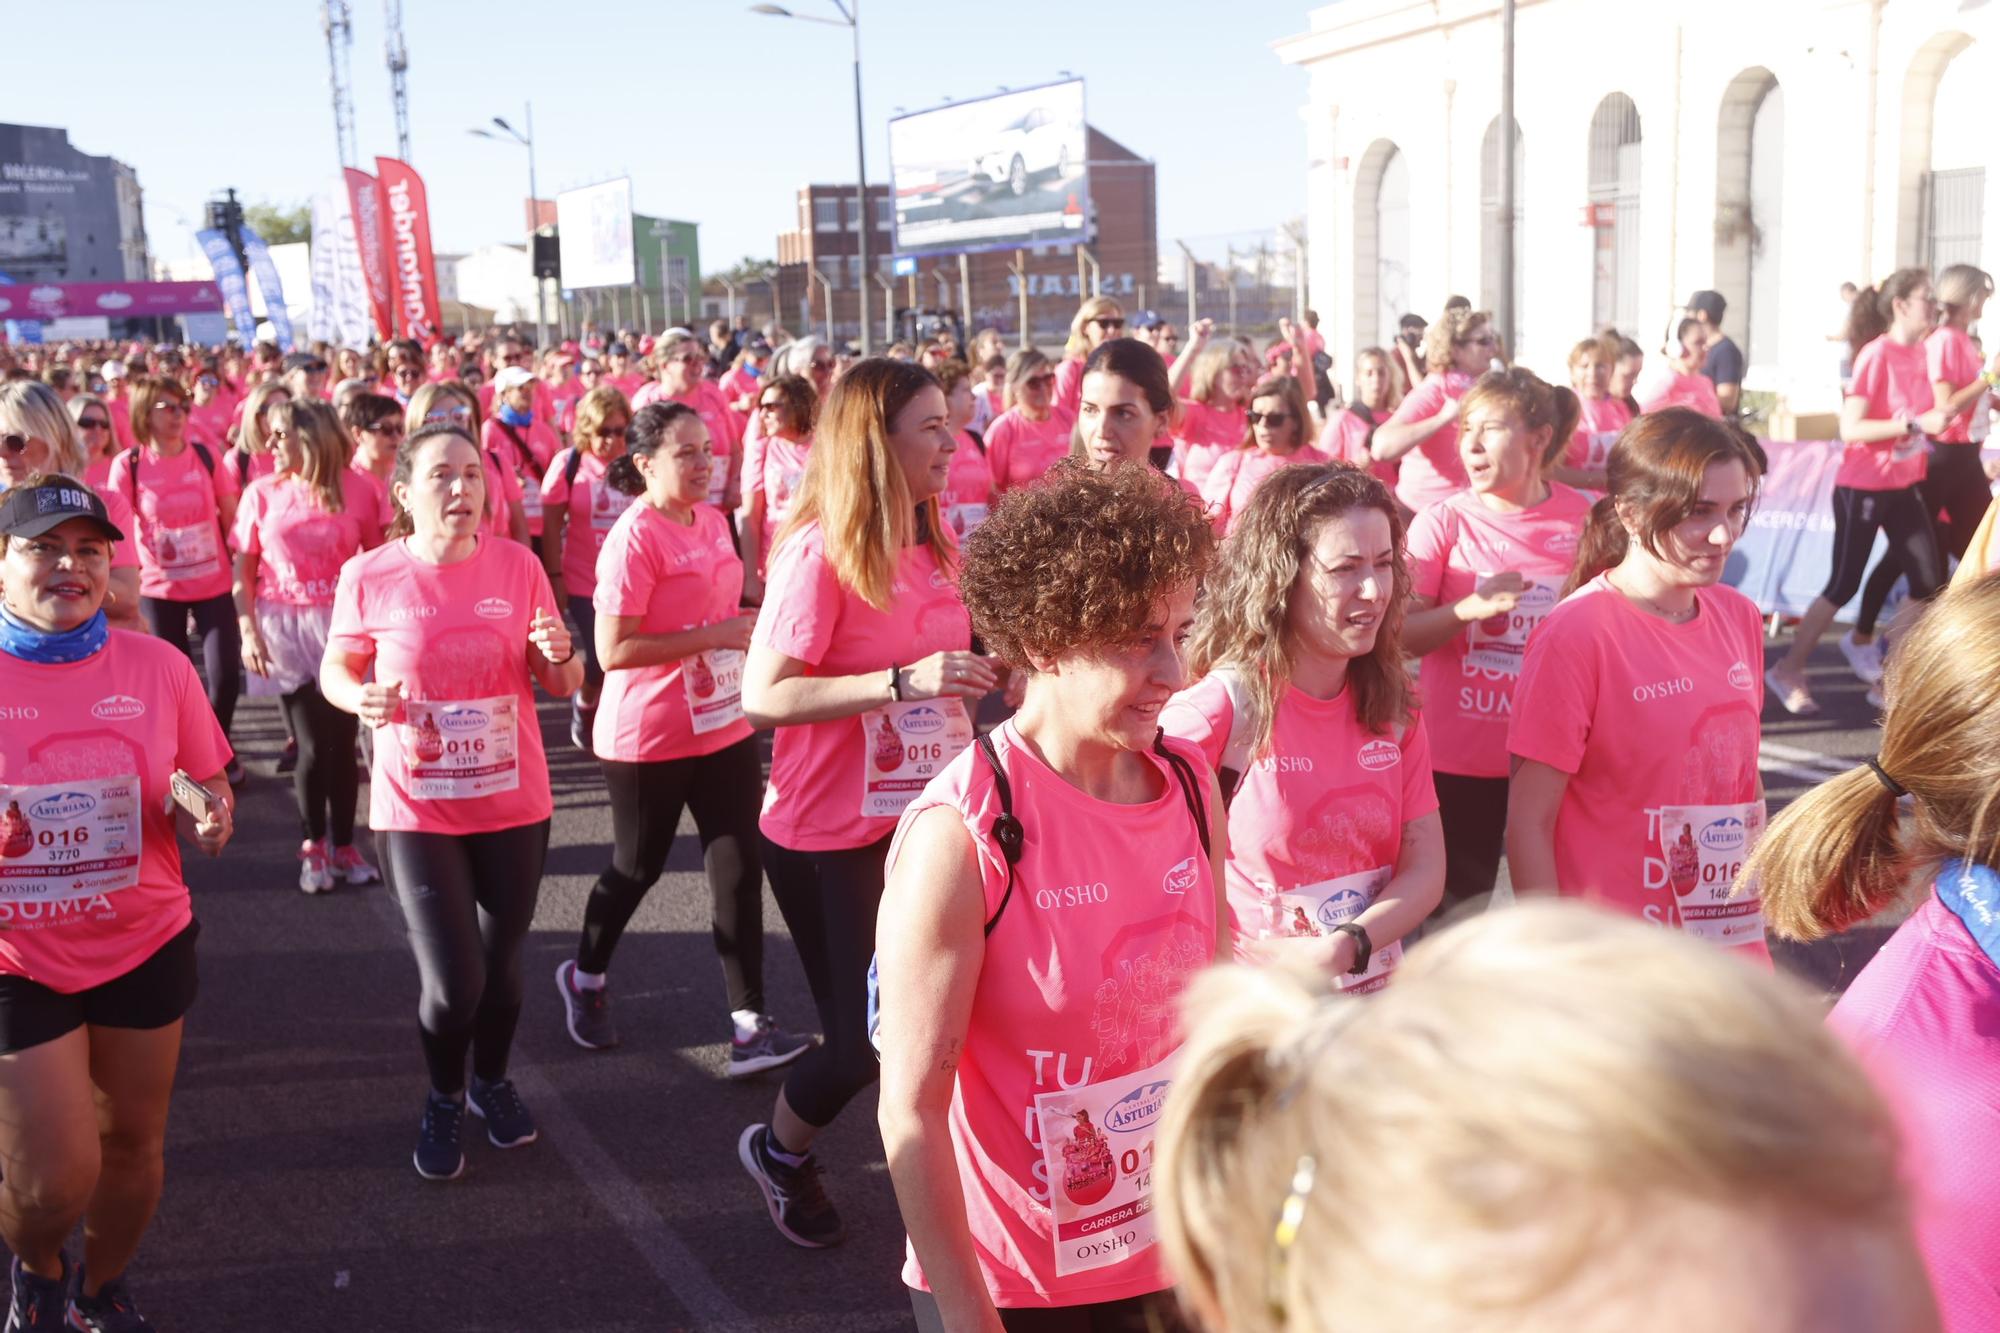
pixel 69 839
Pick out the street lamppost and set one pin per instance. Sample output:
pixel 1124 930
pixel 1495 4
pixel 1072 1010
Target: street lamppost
pixel 527 141
pixel 850 18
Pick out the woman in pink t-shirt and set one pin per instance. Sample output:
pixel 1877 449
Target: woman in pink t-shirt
pixel 579 509
pixel 374 424
pixel 97 932
pixel 294 530
pixel 774 468
pixel 1600 416
pixel 1423 431
pixel 1350 433
pixel 671 735
pixel 861 659
pixel 1890 407
pixel 514 434
pixel 438 639
pixel 1098 320
pixel 1049 898
pixel 453 403
pixel 1212 415
pixel 1026 440
pixel 683 370
pixel 1125 410
pixel 249 458
pixel 92 418
pixel 1279 426
pixel 1635 726
pixel 1334 837
pixel 1924 1014
pixel 1678 381
pixel 51 442
pixel 968 492
pixel 208 415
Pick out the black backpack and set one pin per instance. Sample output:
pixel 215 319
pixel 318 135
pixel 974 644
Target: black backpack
pixel 207 461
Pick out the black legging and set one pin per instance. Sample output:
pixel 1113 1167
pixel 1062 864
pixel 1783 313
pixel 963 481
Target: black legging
pixel 467 900
pixel 1474 814
pixel 829 900
pixel 1157 1313
pixel 1900 514
pixel 1955 494
pixel 221 644
pixel 325 779
pixel 723 791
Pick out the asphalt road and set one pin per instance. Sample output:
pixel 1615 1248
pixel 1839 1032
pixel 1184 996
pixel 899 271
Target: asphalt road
pixel 291 1202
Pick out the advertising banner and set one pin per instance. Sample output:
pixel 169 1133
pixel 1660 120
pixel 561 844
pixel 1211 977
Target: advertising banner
pixel 594 235
pixel 266 274
pixel 416 310
pixel 992 174
pixel 371 244
pixel 229 277
pixel 323 321
pixel 115 300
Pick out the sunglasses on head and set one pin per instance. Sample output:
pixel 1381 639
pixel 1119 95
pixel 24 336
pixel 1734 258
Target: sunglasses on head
pixel 1270 418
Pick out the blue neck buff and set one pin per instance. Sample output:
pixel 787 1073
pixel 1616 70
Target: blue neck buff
pixel 514 416
pixel 22 640
pixel 1972 892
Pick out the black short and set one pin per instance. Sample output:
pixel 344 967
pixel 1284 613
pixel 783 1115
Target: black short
pixel 154 994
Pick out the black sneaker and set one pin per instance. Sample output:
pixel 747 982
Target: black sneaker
pixel 797 1201
pixel 37 1304
pixel 110 1311
pixel 234 771
pixel 508 1124
pixel 288 758
pixel 770 1047
pixel 587 1012
pixel 438 1155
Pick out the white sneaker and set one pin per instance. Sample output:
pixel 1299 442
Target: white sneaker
pixel 1864 658
pixel 315 876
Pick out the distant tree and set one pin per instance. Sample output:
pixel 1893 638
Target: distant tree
pixel 279 225
pixel 746 270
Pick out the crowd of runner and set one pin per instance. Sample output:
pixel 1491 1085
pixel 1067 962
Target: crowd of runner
pixel 1132 710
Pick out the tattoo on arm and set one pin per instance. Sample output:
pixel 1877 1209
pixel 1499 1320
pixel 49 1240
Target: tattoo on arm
pixel 949 1064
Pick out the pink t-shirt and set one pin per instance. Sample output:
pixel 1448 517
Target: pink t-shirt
pixel 380 504
pixel 209 422
pixel 1597 426
pixel 1951 355
pixel 781 470
pixel 1069 390
pixel 1893 378
pixel 1209 433
pixel 528 470
pixel 125 554
pixel 593 508
pixel 1236 477
pixel 1924 1016
pixel 674 579
pixel 814 798
pixel 78 737
pixel 182 556
pixel 1345 440
pixel 1328 802
pixel 1432 471
pixel 503 492
pixel 299 546
pixel 1656 724
pixel 738 385
pixel 466 757
pixel 968 487
pixel 1112 914
pixel 1679 388
pixel 1468 684
pixel 1019 451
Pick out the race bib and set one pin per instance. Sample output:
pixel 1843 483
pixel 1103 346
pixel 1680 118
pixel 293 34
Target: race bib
pixel 69 840
pixel 193 552
pixel 454 751
pixel 606 505
pixel 965 518
pixel 1498 643
pixel 1705 847
pixel 713 684
pixel 1597 450
pixel 1097 1143
pixel 1314 911
pixel 531 499
pixel 904 746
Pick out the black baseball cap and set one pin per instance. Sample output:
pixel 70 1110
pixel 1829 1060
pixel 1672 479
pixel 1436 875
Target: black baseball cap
pixel 30 511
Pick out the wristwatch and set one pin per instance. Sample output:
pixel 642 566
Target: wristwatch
pixel 1364 947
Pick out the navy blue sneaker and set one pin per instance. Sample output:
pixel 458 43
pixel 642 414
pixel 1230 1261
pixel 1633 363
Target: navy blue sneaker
pixel 793 1195
pixel 110 1311
pixel 439 1155
pixel 508 1124
pixel 37 1304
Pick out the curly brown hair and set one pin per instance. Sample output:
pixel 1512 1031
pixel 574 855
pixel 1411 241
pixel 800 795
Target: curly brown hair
pixel 1080 560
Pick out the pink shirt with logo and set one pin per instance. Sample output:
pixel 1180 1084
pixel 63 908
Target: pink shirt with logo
pixel 781 470
pixel 1209 433
pixel 813 800
pixel 1345 440
pixel 1598 417
pixel 673 578
pixel 1112 914
pixel 1678 388
pixel 529 469
pixel 1432 471
pixel 209 422
pixel 1951 355
pixel 1236 477
pixel 592 510
pixel 1019 451
pixel 1069 390
pixel 448 634
pixel 134 711
pixel 182 556
pixel 1329 800
pixel 1468 684
pixel 968 487
pixel 1893 378
pixel 299 546
pixel 1643 714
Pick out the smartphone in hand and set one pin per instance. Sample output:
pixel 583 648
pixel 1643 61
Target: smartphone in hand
pixel 191 796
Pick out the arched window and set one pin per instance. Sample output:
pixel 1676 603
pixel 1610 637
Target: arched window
pixel 1381 242
pixel 1614 205
pixel 1749 201
pixel 1492 225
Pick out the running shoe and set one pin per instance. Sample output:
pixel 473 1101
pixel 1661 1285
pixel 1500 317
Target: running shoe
pixel 37 1304
pixel 587 1012
pixel 794 1196
pixel 288 758
pixel 439 1155
pixel 233 770
pixel 1794 698
pixel 508 1124
pixel 1876 699
pixel 349 864
pixel 580 720
pixel 770 1047
pixel 110 1311
pixel 314 876
pixel 1864 658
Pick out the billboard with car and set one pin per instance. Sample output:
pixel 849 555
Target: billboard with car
pixel 992 174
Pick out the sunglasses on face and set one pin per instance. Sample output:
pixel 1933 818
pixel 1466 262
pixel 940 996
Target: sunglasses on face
pixel 1267 418
pixel 1109 325
pixel 1039 381
pixel 692 359
pixel 173 405
pixel 611 432
pixel 770 407
pixel 14 444
pixel 387 426
pixel 93 423
pixel 1483 340
pixel 207 381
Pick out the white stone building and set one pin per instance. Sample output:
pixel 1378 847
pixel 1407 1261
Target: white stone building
pixel 1769 149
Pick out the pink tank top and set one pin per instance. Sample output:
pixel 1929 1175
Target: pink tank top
pixel 1068 1056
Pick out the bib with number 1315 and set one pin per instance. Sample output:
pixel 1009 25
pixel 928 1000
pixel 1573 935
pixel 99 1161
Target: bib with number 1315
pixel 460 749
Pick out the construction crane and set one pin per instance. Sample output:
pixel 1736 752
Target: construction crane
pixel 399 70
pixel 337 23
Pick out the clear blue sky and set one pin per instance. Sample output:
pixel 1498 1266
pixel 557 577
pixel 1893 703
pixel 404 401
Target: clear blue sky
pixel 718 115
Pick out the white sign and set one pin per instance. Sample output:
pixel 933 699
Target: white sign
pixel 997 173
pixel 594 234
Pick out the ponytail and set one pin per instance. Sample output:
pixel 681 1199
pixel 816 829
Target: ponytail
pixel 1831 860
pixel 1602 545
pixel 1865 320
pixel 1568 412
pixel 622 475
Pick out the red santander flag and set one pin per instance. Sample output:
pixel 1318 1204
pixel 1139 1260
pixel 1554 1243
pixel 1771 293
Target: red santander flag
pixel 416 310
pixel 371 238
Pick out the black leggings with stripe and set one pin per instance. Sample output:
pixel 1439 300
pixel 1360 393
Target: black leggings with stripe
pixel 1904 518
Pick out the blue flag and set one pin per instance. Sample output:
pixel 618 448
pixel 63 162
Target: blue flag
pixel 259 256
pixel 229 277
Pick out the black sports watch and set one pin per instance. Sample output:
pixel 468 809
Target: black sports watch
pixel 1364 947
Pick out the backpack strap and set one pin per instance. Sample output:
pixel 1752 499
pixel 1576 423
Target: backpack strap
pixel 1190 787
pixel 132 474
pixel 1236 750
pixel 571 465
pixel 207 459
pixel 242 468
pixel 521 450
pixel 1007 831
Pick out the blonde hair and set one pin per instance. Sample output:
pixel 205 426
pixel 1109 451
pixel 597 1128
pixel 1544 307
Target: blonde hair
pixel 1503 1129
pixel 252 437
pixel 1843 852
pixel 1962 284
pixel 1446 332
pixel 30 407
pixel 425 400
pixel 324 447
pixel 855 489
pixel 1095 307
pixel 596 407
pixel 1205 378
pixel 77 405
pixel 1392 377
pixel 1244 619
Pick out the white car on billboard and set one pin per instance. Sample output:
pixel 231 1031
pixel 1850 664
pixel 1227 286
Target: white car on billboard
pixel 1035 142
